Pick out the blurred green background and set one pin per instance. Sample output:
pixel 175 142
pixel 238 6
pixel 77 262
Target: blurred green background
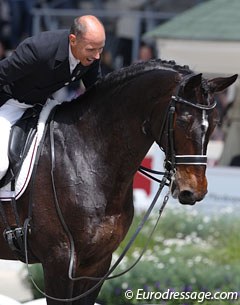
pixel 189 252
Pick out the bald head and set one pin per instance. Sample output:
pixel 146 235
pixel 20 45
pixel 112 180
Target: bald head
pixel 87 38
pixel 87 24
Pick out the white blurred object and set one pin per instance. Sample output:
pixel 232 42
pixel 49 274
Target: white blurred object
pixel 12 284
pixel 36 302
pixel 4 300
pixel 39 302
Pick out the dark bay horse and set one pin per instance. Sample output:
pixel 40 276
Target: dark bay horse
pixel 100 140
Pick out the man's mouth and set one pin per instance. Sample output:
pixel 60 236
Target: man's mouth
pixel 90 60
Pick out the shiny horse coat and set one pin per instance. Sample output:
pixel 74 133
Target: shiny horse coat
pixel 100 140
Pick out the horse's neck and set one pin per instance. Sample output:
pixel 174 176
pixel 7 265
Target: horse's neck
pixel 118 138
pixel 106 138
pixel 108 132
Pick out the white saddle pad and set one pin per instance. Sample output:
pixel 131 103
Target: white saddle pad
pixel 26 170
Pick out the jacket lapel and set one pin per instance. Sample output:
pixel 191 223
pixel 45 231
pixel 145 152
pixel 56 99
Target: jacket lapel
pixel 61 65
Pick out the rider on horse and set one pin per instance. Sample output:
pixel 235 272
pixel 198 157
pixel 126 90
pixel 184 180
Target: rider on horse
pixel 43 64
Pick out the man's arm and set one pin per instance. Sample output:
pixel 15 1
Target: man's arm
pixel 21 62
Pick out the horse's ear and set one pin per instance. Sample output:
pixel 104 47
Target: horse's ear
pixel 193 82
pixel 220 83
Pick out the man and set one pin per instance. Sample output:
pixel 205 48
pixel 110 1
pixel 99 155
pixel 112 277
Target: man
pixel 43 64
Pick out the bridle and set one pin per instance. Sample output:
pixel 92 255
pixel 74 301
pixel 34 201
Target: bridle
pixel 171 162
pixel 172 159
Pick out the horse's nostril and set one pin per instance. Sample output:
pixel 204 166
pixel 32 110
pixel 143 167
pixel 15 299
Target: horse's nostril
pixel 186 193
pixel 187 197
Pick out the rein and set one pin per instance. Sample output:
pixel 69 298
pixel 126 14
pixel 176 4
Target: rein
pixel 107 275
pixel 145 171
pixel 167 175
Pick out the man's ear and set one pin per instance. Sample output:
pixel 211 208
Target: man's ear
pixel 72 39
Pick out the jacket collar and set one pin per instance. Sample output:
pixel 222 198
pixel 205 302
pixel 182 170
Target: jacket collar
pixel 62 52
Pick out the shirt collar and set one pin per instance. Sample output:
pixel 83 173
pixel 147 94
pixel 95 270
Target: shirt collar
pixel 72 60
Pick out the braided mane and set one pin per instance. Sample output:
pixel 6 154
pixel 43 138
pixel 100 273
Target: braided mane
pixel 118 77
pixel 126 73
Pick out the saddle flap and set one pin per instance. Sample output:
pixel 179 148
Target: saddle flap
pixel 21 136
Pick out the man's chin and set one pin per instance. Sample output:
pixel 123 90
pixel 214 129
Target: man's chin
pixel 87 62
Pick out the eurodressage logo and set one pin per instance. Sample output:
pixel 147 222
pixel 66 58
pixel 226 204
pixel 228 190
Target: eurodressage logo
pixel 200 297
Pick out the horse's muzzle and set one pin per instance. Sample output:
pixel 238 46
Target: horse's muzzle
pixel 187 195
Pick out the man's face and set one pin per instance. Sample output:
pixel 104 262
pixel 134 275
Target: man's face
pixel 88 48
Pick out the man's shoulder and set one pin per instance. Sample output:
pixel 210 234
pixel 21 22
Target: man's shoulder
pixel 48 35
pixel 55 33
pixel 45 44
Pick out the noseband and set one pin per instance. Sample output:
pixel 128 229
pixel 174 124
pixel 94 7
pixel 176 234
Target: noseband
pixel 172 158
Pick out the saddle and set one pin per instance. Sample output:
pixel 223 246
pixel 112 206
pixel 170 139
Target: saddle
pixel 21 136
pixel 28 131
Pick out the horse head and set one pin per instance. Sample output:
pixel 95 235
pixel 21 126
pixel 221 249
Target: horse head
pixel 190 121
pixel 175 107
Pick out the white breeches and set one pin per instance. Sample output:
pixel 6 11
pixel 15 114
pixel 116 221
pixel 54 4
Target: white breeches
pixel 10 112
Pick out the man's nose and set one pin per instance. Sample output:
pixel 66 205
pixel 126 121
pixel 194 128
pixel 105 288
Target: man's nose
pixel 97 55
